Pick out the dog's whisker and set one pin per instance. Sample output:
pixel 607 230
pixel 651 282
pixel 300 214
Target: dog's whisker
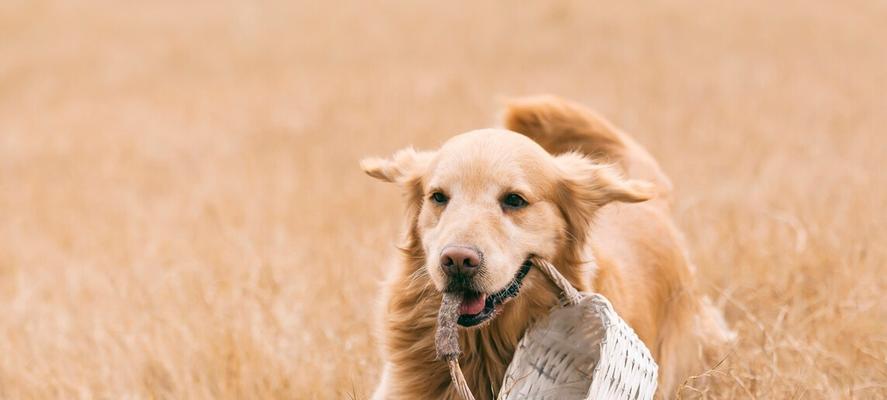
pixel 416 277
pixel 418 274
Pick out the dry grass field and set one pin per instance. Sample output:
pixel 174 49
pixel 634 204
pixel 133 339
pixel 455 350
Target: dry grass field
pixel 182 214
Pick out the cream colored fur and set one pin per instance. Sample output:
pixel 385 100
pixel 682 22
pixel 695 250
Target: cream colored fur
pixel 599 210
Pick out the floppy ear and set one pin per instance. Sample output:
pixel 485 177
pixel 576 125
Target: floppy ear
pixel 404 166
pixel 586 186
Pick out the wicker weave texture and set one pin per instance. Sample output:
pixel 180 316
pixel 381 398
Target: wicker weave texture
pixel 581 351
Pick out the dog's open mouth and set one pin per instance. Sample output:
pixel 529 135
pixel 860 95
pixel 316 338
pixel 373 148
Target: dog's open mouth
pixel 479 307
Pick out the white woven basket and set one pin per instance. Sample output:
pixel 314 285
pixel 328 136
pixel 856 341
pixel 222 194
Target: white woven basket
pixel 581 350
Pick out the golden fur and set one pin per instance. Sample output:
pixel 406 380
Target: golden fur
pixel 604 232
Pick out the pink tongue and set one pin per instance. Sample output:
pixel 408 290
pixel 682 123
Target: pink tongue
pixel 472 304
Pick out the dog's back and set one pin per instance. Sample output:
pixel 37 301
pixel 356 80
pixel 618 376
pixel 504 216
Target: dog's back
pixel 560 126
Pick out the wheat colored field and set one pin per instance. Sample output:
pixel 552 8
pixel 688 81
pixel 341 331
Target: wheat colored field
pixel 182 214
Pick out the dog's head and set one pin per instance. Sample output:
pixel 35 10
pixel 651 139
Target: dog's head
pixel 487 200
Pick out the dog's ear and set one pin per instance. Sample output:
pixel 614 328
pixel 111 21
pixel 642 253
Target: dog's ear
pixel 586 186
pixel 598 184
pixel 404 166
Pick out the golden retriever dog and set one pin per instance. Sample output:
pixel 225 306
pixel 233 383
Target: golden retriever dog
pixel 557 182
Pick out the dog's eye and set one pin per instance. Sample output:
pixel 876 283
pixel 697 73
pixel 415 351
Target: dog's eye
pixel 513 200
pixel 439 198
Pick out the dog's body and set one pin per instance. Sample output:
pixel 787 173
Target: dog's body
pixel 631 253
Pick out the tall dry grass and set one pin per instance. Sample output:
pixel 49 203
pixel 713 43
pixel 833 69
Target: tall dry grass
pixel 182 216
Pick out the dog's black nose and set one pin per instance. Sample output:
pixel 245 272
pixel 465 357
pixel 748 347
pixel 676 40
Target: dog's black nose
pixel 459 260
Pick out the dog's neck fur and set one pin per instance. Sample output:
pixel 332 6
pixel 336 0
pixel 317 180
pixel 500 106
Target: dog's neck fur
pixel 411 321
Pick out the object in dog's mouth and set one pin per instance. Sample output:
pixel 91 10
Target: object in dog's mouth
pixel 446 339
pixel 469 309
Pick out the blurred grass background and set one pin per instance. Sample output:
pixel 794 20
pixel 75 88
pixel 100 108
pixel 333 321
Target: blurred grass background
pixel 182 215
